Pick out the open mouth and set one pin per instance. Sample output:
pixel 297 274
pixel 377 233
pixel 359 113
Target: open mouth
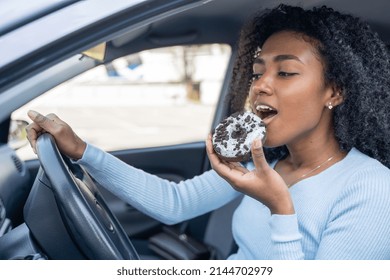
pixel 265 111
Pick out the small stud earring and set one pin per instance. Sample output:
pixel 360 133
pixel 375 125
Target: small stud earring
pixel 330 106
pixel 258 52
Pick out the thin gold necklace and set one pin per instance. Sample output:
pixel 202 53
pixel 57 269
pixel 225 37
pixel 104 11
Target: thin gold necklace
pixel 311 171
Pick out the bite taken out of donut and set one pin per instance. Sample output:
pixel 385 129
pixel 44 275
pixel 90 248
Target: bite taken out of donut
pixel 232 138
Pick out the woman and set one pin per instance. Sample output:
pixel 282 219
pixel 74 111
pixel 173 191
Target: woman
pixel 319 81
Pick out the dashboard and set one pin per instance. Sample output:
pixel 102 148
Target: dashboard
pixel 14 188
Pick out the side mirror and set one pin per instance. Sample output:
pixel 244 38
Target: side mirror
pixel 17 136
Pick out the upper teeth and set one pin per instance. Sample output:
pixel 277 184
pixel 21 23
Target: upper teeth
pixel 263 108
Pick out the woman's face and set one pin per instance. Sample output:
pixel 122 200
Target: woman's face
pixel 288 90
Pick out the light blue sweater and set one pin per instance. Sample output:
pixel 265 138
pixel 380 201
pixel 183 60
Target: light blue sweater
pixel 341 213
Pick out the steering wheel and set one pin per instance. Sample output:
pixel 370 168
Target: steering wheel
pixel 88 220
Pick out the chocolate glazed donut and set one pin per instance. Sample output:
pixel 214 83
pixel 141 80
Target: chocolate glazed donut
pixel 233 137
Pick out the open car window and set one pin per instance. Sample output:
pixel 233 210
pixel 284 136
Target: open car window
pixel 152 98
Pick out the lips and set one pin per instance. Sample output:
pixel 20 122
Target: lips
pixel 265 111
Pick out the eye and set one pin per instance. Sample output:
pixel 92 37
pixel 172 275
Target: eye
pixel 286 74
pixel 256 76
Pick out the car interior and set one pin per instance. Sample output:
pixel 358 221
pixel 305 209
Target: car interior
pixel 38 220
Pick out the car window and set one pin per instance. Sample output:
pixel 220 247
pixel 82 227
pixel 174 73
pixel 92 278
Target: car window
pixel 153 98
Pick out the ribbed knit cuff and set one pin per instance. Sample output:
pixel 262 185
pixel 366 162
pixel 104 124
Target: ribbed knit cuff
pixel 284 228
pixel 92 156
pixel 286 238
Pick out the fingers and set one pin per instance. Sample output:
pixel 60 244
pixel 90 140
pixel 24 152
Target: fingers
pixel 67 141
pixel 213 157
pixel 226 169
pixel 258 154
pixel 40 125
pixel 33 132
pixel 45 122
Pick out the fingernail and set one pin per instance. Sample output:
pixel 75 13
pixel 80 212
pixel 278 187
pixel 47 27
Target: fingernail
pixel 257 143
pixel 32 114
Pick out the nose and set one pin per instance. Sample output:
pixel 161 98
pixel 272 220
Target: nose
pixel 262 85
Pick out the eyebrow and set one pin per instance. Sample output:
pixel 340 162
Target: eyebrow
pixel 279 58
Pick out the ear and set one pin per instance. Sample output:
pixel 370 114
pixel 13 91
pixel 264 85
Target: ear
pixel 336 96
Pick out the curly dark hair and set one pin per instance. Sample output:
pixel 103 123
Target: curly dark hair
pixel 356 61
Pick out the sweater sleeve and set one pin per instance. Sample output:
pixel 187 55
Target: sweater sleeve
pixel 285 238
pixel 161 199
pixel 359 224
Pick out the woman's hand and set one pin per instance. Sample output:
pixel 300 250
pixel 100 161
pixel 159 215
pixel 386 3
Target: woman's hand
pixel 263 183
pixel 67 141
